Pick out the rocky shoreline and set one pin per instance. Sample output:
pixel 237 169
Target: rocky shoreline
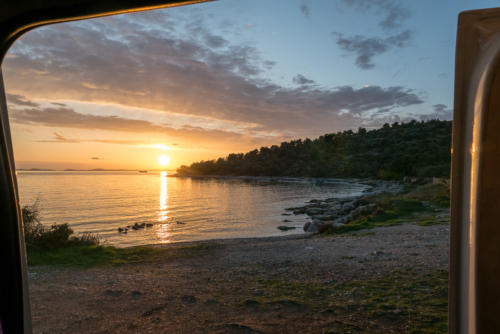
pixel 335 211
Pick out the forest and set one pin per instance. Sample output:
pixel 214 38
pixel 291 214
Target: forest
pixel 415 148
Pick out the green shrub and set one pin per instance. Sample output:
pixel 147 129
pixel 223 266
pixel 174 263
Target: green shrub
pixel 32 226
pixel 39 237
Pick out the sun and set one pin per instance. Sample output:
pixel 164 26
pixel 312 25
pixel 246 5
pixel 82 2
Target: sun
pixel 163 160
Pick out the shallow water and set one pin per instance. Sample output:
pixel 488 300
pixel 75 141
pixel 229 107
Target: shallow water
pixel 180 209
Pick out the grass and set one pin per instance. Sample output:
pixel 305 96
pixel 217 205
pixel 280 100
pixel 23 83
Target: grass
pixel 418 302
pixel 97 255
pixel 417 204
pixel 412 301
pixel 431 221
pixel 437 195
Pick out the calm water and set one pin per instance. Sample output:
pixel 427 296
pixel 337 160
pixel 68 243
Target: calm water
pixel 181 209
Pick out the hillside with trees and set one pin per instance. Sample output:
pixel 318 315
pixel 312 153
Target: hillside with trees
pixel 420 149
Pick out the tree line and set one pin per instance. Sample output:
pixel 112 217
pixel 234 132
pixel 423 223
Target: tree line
pixel 420 149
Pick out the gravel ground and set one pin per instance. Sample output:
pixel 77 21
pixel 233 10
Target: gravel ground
pixel 218 290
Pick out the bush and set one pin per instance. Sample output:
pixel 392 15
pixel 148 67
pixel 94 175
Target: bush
pixel 32 226
pixel 37 236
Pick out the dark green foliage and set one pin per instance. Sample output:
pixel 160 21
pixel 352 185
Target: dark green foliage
pixel 419 149
pixel 31 222
pixel 39 237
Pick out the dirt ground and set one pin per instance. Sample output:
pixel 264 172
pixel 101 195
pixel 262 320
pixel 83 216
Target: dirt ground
pixel 267 285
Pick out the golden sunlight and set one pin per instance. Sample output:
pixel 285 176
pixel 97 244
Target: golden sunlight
pixel 163 160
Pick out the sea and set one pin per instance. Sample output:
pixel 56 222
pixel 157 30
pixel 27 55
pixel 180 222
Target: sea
pixel 176 209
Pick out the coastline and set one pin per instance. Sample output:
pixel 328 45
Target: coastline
pixel 311 284
pixel 387 276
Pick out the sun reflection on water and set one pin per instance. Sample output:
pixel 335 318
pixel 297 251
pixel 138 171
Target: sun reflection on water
pixel 162 230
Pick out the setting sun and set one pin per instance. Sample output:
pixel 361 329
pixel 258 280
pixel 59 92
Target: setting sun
pixel 163 160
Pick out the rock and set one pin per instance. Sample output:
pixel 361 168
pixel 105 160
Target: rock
pixel 286 228
pixel 324 226
pixel 299 211
pixel 153 310
pixel 251 303
pixel 113 293
pixel 286 214
pixel 334 207
pixel 211 302
pixel 180 223
pixel 348 206
pixel 286 221
pixel 136 294
pixel 377 253
pixel 340 221
pixel 188 299
pixel 324 217
pixel 348 199
pixel 149 225
pixel 120 230
pixel 317 226
pixel 310 227
pixel 313 211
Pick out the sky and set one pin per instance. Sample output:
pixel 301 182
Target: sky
pixel 198 82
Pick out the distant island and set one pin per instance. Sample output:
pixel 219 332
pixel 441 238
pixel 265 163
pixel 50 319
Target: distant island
pixel 417 149
pixel 75 170
pixel 87 170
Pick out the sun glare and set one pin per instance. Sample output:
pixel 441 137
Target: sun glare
pixel 163 160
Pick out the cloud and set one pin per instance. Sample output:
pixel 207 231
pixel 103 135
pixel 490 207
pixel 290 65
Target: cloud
pixel 214 41
pixel 69 118
pixel 299 79
pixel 125 62
pixel 392 12
pixel 20 100
pixel 366 48
pixel 95 158
pixel 441 111
pixel 60 138
pixel 304 9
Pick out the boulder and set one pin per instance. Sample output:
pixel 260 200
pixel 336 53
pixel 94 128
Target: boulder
pixel 310 227
pixel 299 211
pixel 348 206
pixel 334 207
pixel 314 211
pixel 286 228
pixel 316 226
